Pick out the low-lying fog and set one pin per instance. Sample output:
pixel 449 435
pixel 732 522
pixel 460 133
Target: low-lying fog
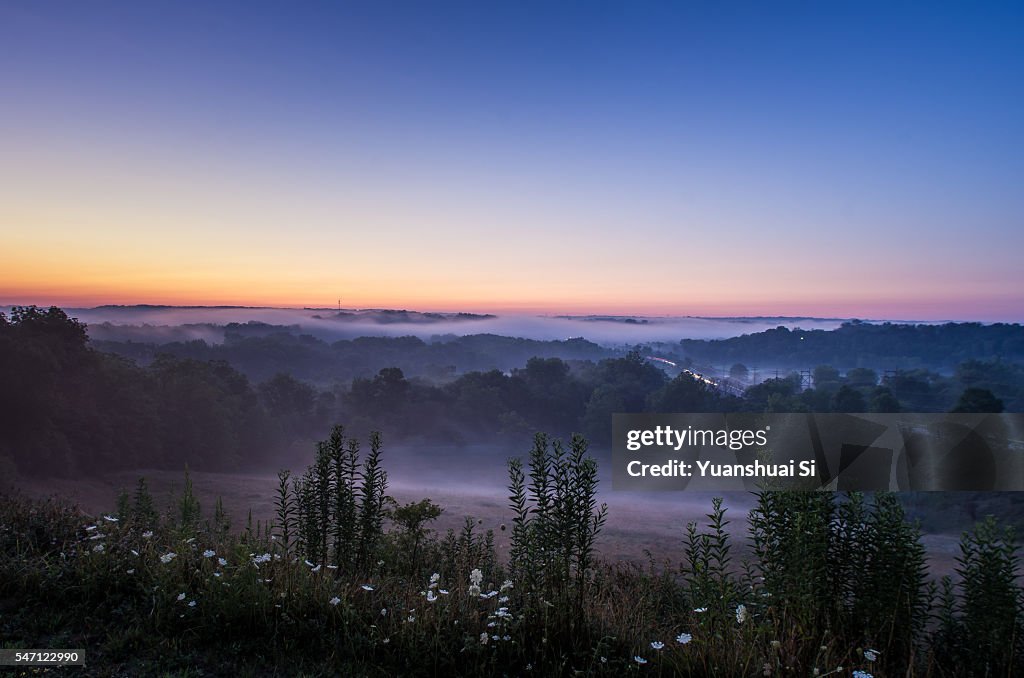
pixel 328 324
pixel 466 482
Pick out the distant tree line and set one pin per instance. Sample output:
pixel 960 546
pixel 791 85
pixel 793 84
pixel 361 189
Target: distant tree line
pixel 261 351
pixel 72 409
pixel 881 346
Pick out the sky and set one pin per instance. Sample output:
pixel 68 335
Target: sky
pixel 819 159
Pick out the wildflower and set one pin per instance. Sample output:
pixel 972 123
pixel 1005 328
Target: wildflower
pixel 684 638
pixel 484 637
pixel 506 637
pixel 383 611
pixel 191 603
pixel 862 674
pixel 700 610
pixel 168 557
pixel 110 519
pixel 315 569
pixel 308 564
pixel 604 660
pixel 476 576
pixel 506 585
pixel 98 548
pixel 657 645
pixel 181 596
pixel 216 574
pixel 190 540
pixel 503 599
pixel 474 590
pixel 91 528
pixel 639 660
pixel 411 618
pixel 335 600
pixel 871 655
pixel 443 592
pixel 222 562
pixel 332 567
pixel 386 641
pixel 741 613
pixel 431 596
pixel 434 579
pixel 367 587
pixel 147 534
pixel 208 554
pixel 134 552
pixel 97 536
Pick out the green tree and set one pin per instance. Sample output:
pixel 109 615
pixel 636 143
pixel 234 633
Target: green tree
pixel 978 400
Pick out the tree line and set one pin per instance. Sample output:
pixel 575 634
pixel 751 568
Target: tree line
pixel 73 409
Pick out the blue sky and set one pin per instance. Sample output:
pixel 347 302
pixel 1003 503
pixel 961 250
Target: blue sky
pixel 802 158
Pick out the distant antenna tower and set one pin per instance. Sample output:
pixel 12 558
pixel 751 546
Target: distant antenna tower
pixel 339 304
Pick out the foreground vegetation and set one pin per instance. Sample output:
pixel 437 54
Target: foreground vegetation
pixel 343 581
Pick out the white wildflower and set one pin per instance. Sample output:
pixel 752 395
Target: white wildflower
pixel 862 674
pixel 484 637
pixel 639 660
pixel 383 611
pixel 434 579
pixel 871 655
pixel 506 585
pixel 741 613
pixel 684 638
pixel 315 569
pixel 147 534
pixel 367 587
pixel 208 554
pixel 110 519
pixel 134 552
pixel 335 600
pixel 411 618
pixel 474 590
pixel 657 645
pixel 700 610
pixel 131 571
pixel 98 548
pixel 191 603
pixel 222 562
pixel 90 528
pixel 431 596
pixel 476 577
pixel 181 596
pixel 168 557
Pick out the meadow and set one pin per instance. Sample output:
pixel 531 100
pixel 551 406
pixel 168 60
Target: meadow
pixel 344 580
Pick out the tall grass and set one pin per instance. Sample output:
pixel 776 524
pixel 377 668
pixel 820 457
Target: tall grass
pixel 345 581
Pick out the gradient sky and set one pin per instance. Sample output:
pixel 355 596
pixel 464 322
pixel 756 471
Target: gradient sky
pixel 714 158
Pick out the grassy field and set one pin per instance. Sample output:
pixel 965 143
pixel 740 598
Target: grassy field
pixel 331 578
